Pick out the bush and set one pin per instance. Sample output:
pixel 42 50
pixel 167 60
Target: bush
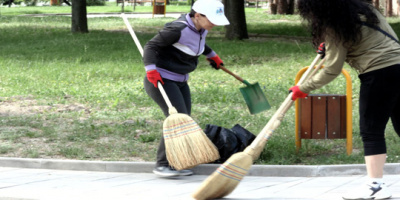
pixel 179 3
pixel 16 2
pixel 95 2
pixel 30 2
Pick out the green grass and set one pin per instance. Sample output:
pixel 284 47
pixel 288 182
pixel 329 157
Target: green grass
pixel 80 96
pixel 110 7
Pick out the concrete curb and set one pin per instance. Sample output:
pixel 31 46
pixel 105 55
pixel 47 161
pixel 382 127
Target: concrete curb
pixel 204 169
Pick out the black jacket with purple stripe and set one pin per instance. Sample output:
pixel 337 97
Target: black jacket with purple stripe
pixel 174 51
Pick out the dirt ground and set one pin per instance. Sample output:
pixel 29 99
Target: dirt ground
pixel 28 106
pixel 19 106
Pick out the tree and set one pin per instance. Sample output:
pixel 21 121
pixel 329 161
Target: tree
pixel 234 11
pixel 389 8
pixel 282 7
pixel 79 18
pixel 376 4
pixel 290 10
pixel 273 6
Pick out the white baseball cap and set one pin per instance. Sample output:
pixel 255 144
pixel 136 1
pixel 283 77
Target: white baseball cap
pixel 213 10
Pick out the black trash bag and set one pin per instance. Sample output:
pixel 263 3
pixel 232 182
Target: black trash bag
pixel 224 139
pixel 228 141
pixel 244 136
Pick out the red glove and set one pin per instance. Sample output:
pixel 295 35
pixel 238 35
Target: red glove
pixel 215 62
pixel 153 76
pixel 321 50
pixel 297 93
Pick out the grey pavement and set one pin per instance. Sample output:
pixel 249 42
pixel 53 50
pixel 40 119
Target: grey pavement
pixel 22 178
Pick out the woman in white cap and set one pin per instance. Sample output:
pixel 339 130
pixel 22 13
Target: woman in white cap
pixel 171 55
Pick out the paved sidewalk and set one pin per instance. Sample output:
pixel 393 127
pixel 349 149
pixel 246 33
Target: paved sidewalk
pixel 22 183
pixel 85 180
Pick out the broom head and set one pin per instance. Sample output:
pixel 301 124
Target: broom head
pixel 225 179
pixel 185 142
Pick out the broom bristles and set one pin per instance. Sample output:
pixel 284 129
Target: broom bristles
pixel 186 144
pixel 225 179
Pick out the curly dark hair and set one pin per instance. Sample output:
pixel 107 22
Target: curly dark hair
pixel 339 18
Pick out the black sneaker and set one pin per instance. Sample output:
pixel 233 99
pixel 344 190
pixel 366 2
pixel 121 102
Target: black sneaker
pixel 165 171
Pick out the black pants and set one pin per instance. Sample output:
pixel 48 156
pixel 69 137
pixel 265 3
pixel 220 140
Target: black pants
pixel 179 95
pixel 379 102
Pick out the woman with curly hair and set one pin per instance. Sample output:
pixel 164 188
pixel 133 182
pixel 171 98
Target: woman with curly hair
pixel 354 32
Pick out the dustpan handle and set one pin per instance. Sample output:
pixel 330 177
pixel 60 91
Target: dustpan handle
pixel 231 73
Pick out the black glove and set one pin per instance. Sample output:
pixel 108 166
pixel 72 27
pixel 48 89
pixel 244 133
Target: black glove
pixel 321 50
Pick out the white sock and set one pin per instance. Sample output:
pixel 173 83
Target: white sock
pixel 377 181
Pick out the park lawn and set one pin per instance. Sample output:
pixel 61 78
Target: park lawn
pixel 80 96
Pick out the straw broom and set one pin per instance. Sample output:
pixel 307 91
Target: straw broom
pixel 185 142
pixel 225 179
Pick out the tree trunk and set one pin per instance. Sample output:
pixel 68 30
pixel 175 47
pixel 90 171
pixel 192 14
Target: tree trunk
pixel 273 6
pixel 234 11
pixel 282 7
pixel 79 18
pixel 376 4
pixel 398 8
pixel 389 8
pixel 290 10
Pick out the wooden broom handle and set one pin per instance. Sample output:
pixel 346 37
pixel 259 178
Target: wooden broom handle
pixel 134 37
pixel 139 46
pixel 276 119
pixel 164 94
pixel 306 74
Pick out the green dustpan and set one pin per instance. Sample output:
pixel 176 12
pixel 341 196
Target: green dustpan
pixel 253 95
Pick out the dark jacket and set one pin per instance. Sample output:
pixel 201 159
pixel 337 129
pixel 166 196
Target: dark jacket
pixel 174 51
